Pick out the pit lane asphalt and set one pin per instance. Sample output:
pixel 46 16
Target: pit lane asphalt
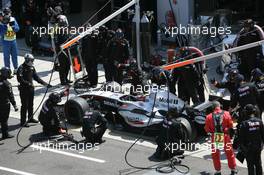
pixel 106 159
pixel 112 152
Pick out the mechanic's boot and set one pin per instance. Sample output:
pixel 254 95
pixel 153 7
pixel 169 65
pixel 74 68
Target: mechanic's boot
pixel 33 121
pixel 157 154
pixel 7 136
pixel 233 172
pixel 217 173
pixel 69 81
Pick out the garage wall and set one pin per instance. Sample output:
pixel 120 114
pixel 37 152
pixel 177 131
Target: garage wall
pixel 183 10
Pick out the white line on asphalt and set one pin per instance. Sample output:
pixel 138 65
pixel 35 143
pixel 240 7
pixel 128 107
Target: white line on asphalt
pixel 15 171
pixel 67 154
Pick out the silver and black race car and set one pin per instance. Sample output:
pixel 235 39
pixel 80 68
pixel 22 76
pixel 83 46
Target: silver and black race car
pixel 137 111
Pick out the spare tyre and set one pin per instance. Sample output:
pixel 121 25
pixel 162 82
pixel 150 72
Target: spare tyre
pixel 75 109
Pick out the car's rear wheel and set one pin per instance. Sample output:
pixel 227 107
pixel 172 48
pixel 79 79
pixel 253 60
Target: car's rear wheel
pixel 75 109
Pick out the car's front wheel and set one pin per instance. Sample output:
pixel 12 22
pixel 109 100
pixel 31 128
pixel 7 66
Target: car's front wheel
pixel 189 131
pixel 75 109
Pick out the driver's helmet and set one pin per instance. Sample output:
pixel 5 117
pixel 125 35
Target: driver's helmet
pixel 173 112
pixel 257 75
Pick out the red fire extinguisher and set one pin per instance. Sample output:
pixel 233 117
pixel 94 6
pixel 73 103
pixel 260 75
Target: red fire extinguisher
pixel 170 20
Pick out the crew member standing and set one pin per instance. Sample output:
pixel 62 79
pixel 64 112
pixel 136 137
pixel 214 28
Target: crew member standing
pixel 64 62
pixel 32 20
pixel 257 76
pixel 89 54
pixel 106 61
pixel 25 76
pixel 118 53
pixel 188 81
pixel 246 93
pixel 8 29
pixel 6 97
pixel 230 83
pixel 218 124
pixel 251 138
pixel 248 57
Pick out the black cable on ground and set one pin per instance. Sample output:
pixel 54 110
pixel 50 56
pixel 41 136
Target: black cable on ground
pixel 140 137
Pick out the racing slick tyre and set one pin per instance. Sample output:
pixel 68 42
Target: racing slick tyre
pixel 189 131
pixel 75 109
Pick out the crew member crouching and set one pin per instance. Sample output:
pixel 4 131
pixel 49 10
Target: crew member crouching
pixel 94 126
pixel 48 116
pixel 171 133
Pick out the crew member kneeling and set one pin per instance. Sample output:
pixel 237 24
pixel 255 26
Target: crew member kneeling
pixel 49 118
pixel 171 133
pixel 94 127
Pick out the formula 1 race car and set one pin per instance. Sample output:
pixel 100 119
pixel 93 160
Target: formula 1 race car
pixel 137 111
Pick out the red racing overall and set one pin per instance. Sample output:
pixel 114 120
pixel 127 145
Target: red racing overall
pixel 218 123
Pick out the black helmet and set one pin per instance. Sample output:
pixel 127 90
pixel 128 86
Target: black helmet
pixel 6 19
pixel 133 63
pixel 103 28
pixel 62 21
pixel 249 109
pixel 249 23
pixel 5 73
pixel 7 11
pixel 110 34
pixel 158 75
pixel 58 10
pixel 119 34
pixel 256 75
pixel 55 97
pixel 1 13
pixel 185 53
pixel 239 78
pixel 232 74
pixel 29 59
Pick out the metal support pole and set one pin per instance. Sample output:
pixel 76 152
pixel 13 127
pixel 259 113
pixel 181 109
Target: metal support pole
pixel 213 55
pixel 87 32
pixel 137 15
